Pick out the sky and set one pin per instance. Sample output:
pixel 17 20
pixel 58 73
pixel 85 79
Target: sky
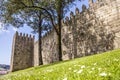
pixel 6 37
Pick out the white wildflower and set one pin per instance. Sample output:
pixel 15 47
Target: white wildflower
pixel 95 64
pixel 93 68
pixel 70 68
pixel 80 71
pixel 83 66
pixel 99 69
pixel 65 78
pixel 75 71
pixel 49 70
pixel 103 74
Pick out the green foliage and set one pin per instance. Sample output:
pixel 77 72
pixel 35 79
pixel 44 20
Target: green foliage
pixel 20 12
pixel 14 9
pixel 105 66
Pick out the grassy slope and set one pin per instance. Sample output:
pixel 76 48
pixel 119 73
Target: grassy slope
pixel 104 66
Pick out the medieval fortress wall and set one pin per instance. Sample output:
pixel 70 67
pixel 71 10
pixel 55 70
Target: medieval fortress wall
pixel 49 49
pixel 94 30
pixel 22 52
pixel 109 12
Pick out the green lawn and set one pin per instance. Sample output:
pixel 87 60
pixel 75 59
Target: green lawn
pixel 105 66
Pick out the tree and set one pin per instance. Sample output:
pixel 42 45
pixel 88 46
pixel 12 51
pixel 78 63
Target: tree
pixel 18 13
pixel 61 7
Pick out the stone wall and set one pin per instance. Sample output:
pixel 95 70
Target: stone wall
pixel 49 48
pixel 108 11
pixel 94 30
pixel 22 52
pixel 85 34
pixel 36 54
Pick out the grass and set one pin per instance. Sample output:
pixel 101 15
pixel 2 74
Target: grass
pixel 105 66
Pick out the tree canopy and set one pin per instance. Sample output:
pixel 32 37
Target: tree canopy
pixel 19 12
pixel 38 14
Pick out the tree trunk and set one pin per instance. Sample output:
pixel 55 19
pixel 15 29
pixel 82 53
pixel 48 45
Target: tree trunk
pixel 59 42
pixel 40 43
pixel 59 8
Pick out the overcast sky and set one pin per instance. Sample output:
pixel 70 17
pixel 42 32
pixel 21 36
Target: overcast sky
pixel 6 37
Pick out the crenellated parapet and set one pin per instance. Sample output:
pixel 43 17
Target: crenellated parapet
pixel 105 10
pixel 90 2
pixel 25 37
pixel 48 33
